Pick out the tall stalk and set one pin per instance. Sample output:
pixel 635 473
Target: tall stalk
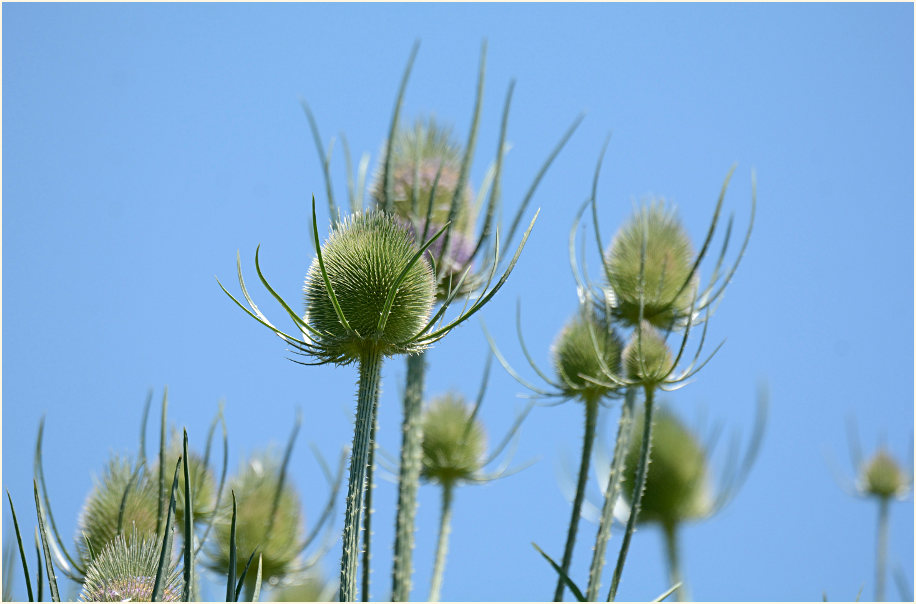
pixel 591 421
pixel 370 486
pixel 408 478
pixel 370 368
pixel 672 553
pixel 445 528
pixel 638 488
pixel 881 553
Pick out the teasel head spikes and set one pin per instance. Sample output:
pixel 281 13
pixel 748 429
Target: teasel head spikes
pixel 125 571
pixel 124 499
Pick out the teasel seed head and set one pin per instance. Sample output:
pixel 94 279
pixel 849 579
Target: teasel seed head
pixel 364 257
pixel 882 477
pixel 98 522
pixel 577 356
pixel 454 442
pixel 668 287
pixel 647 357
pixel 125 571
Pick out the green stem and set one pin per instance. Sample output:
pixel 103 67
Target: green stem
pixel 408 478
pixel 881 554
pixel 367 520
pixel 442 545
pixel 642 471
pixel 672 552
pixel 615 480
pixel 370 369
pixel 591 420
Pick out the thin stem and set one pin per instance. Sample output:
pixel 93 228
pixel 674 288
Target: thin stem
pixel 642 471
pixel 881 554
pixel 442 545
pixel 674 560
pixel 370 485
pixel 591 421
pixel 370 368
pixel 408 478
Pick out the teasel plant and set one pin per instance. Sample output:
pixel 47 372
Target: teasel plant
pixel 424 181
pixel 454 453
pixel 882 478
pixel 680 484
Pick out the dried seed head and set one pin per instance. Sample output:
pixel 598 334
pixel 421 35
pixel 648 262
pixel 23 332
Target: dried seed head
pixel 364 256
pixel 98 522
pixel 453 443
pixel 668 263
pixel 278 537
pixel 647 358
pixel 882 476
pixel 576 356
pixel 125 571
pixel 677 484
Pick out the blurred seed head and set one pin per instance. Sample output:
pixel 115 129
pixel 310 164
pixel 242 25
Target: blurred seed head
pixel 575 356
pixel 668 263
pixel 364 256
pixel 98 522
pixel 278 537
pixel 883 477
pixel 125 571
pixel 453 443
pixel 647 358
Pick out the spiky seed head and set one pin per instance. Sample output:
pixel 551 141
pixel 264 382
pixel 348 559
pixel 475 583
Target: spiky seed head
pixel 576 356
pixel 882 476
pixel 278 538
pixel 364 256
pixel 98 522
pixel 453 443
pixel 668 264
pixel 647 358
pixel 125 571
pixel 677 483
pixel 203 484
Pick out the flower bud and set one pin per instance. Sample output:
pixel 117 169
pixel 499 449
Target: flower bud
pixel 647 358
pixel 125 571
pixel 882 477
pixel 364 257
pixel 576 355
pixel 668 263
pixel 453 443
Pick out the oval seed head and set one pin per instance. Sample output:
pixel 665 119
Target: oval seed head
pixel 125 571
pixel 576 356
pixel 453 443
pixel 203 484
pixel 668 264
pixel 882 477
pixel 98 522
pixel 647 359
pixel 364 256
pixel 278 537
pixel 677 483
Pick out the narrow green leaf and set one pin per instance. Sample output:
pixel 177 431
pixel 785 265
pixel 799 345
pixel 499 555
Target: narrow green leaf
pixel 392 130
pixel 676 587
pixel 325 159
pixel 130 483
pixel 43 531
pixel 25 566
pixel 243 576
pixel 188 528
pixel 162 494
pixel 165 553
pixel 230 576
pixel 569 582
pixel 257 583
pixel 222 481
pixel 284 468
pixel 141 458
pixel 40 577
pixel 324 273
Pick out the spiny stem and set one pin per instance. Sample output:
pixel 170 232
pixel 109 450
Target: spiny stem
pixel 591 421
pixel 674 560
pixel 881 554
pixel 370 368
pixel 642 471
pixel 442 545
pixel 367 520
pixel 615 479
pixel 408 478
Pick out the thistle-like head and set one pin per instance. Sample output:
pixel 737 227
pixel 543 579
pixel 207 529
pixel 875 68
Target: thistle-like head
pixel 98 522
pixel 651 262
pixel 647 357
pixel 454 442
pixel 125 571
pixel 883 477
pixel 584 352
pixel 371 265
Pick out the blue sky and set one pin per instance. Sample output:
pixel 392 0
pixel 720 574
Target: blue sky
pixel 145 143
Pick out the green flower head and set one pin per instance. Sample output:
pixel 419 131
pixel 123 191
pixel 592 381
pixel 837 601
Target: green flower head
pixel 454 442
pixel 669 281
pixel 882 476
pixel 576 356
pixel 125 571
pixel 98 522
pixel 276 534
pixel 677 484
pixel 647 358
pixel 365 256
